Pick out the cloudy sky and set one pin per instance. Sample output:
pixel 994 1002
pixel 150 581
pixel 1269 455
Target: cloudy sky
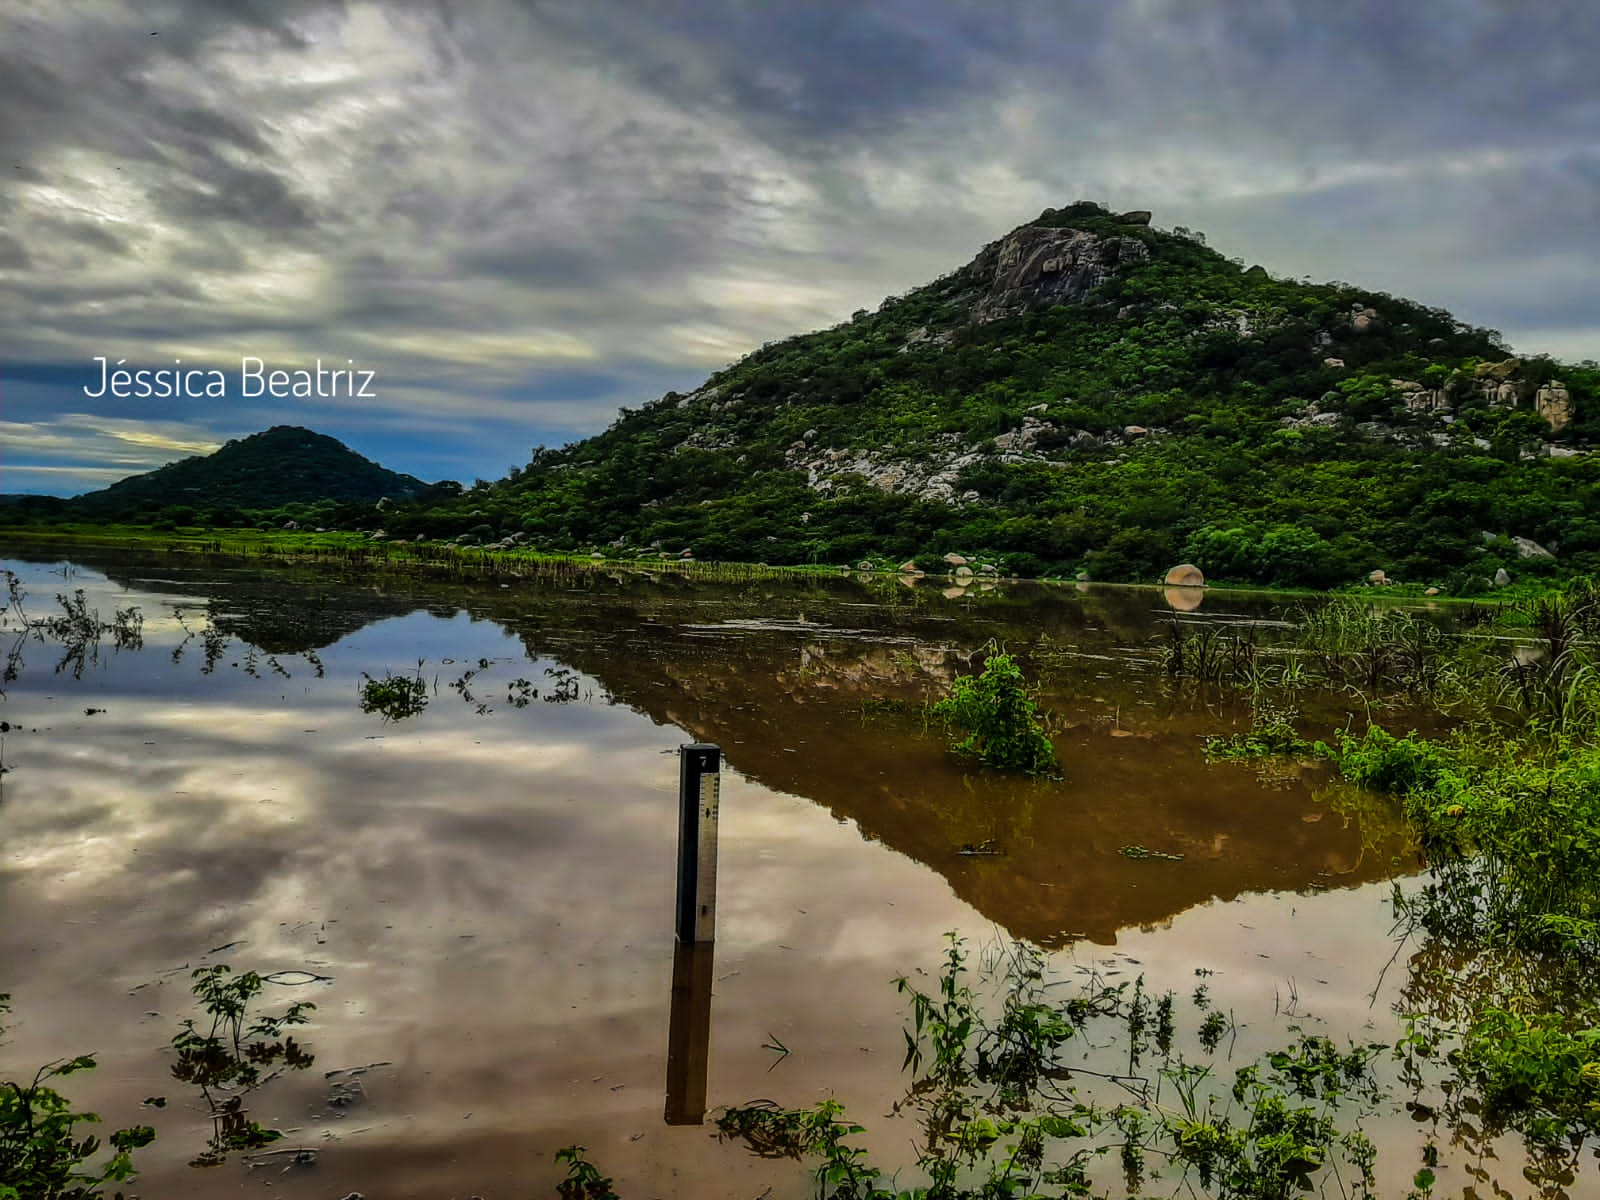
pixel 523 215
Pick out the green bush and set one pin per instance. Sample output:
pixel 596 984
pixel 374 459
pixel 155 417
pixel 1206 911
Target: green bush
pixel 998 714
pixel 43 1156
pixel 1385 763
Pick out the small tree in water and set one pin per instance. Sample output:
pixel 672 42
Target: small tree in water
pixel 998 714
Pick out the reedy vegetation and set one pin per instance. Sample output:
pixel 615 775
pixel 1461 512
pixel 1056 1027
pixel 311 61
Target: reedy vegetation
pixel 1506 809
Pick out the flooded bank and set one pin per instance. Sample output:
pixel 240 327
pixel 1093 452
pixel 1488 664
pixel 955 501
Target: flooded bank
pixel 487 885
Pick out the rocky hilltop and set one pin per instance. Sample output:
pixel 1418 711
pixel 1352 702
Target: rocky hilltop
pixel 1039 265
pixel 1094 396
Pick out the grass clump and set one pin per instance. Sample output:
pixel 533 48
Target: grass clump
pixel 997 712
pixel 1272 732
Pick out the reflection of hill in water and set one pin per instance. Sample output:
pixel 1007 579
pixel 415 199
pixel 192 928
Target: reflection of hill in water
pixel 279 614
pixel 776 673
pixel 789 715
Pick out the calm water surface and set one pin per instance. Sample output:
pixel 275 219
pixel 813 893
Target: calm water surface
pixel 489 884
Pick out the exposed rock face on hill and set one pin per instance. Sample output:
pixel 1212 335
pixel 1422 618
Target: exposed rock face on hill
pixel 1553 402
pixel 1037 266
pixel 1500 387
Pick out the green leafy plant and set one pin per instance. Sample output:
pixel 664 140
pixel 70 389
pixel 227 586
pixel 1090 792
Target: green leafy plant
pixel 1000 718
pixel 44 1154
pixel 583 1180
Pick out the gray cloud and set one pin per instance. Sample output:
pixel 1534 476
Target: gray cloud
pixel 472 193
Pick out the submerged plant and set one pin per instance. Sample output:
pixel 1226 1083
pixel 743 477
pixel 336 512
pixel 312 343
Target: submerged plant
pixel 77 629
pixel 997 712
pixel 583 1180
pixel 995 1059
pixel 396 697
pixel 1272 732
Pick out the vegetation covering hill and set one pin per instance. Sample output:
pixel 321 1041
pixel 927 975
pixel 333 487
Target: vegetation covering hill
pixel 286 471
pixel 1091 394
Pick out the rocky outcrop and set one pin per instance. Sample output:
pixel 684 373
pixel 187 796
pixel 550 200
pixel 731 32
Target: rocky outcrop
pixel 1496 382
pixel 1554 403
pixel 1442 398
pixel 1037 267
pixel 1528 548
pixel 1364 320
pixel 1021 439
pixel 1498 371
pixel 1419 398
pixel 1503 393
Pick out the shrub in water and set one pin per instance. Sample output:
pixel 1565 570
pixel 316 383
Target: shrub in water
pixel 998 714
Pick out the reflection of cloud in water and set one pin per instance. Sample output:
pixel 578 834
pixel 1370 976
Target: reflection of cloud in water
pixel 493 894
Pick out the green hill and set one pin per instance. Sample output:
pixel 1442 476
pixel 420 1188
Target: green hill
pixel 1091 394
pixel 283 466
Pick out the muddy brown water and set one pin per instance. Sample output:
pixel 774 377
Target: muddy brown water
pixel 488 885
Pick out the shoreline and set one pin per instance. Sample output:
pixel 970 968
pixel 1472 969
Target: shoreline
pixel 445 559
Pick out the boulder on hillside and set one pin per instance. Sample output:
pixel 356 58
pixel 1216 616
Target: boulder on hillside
pixel 1185 575
pixel 1499 372
pixel 1528 548
pixel 1137 216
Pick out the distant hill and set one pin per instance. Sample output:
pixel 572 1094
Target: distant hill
pixel 263 472
pixel 1092 394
